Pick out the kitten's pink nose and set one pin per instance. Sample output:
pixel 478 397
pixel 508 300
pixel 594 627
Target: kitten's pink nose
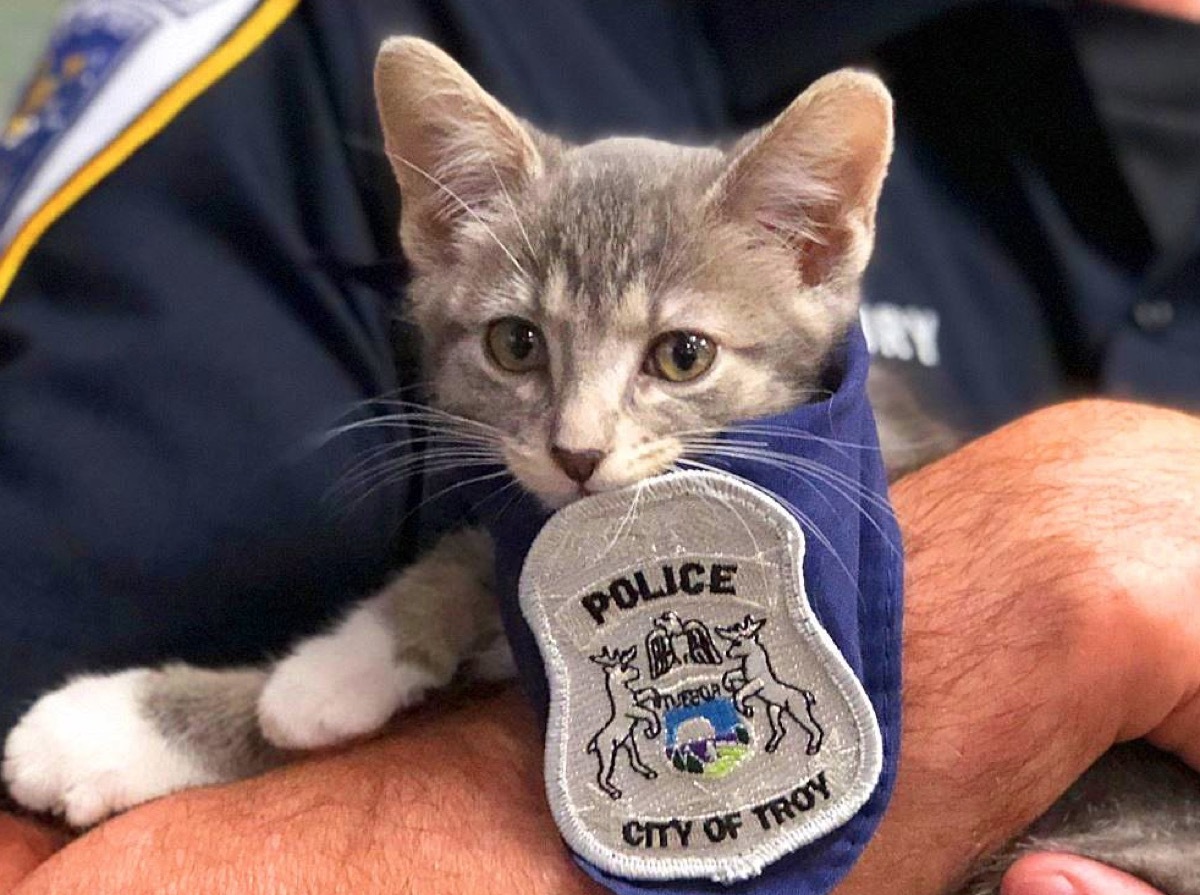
pixel 578 465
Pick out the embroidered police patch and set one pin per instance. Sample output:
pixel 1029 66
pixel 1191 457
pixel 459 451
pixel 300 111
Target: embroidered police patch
pixel 702 722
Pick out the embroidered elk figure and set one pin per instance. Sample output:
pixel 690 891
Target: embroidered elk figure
pixel 627 714
pixel 756 679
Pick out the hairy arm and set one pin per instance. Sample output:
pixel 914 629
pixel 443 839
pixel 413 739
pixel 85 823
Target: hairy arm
pixel 453 803
pixel 24 844
pixel 1053 577
pixel 1053 584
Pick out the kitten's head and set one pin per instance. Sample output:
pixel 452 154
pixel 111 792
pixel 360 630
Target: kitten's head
pixel 604 305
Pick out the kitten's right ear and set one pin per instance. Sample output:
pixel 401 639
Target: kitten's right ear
pixel 812 177
pixel 454 149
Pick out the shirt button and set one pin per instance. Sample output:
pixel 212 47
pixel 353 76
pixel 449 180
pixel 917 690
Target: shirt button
pixel 1153 315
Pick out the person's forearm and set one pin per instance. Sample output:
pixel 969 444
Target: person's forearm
pixel 453 803
pixel 24 844
pixel 1053 581
pixel 1189 10
pixel 1043 590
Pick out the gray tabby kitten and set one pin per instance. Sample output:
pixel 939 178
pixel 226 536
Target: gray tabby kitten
pixel 590 315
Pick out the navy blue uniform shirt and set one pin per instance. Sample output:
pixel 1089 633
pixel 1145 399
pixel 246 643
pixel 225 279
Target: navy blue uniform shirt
pixel 173 340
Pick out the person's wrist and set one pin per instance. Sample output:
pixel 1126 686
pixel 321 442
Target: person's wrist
pixel 1090 510
pixel 1121 496
pixel 996 528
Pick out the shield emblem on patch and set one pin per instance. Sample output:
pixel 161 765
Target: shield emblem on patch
pixel 702 722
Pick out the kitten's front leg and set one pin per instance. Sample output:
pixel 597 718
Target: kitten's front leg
pixel 391 650
pixel 341 685
pixel 104 743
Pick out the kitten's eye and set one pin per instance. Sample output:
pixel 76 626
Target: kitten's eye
pixel 516 345
pixel 680 356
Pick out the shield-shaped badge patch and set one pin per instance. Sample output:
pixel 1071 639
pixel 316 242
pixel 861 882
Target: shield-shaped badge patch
pixel 702 722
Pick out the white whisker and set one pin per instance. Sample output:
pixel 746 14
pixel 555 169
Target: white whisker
pixel 725 503
pixel 849 489
pixel 465 207
pixel 804 519
pixel 791 462
pixel 368 482
pixel 512 206
pixel 420 462
pixel 629 517
pixel 460 484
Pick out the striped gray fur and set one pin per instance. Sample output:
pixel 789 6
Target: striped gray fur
pixel 1137 809
pixel 212 715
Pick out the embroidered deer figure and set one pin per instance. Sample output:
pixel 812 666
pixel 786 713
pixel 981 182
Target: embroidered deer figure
pixel 756 679
pixel 626 715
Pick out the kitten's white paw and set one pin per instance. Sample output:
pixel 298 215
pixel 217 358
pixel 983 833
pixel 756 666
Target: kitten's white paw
pixel 85 751
pixel 339 687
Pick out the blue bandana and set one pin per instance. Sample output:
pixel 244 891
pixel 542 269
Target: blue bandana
pixel 852 574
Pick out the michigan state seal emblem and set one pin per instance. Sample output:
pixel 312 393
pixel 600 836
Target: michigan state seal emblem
pixel 702 722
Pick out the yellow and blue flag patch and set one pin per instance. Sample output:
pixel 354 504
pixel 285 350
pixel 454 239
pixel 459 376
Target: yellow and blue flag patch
pixel 88 47
pixel 115 73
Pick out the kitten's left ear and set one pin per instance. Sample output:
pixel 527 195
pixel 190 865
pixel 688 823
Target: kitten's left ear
pixel 813 176
pixel 455 150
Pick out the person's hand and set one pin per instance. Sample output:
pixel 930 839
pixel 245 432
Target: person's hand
pixel 1055 874
pixel 1052 592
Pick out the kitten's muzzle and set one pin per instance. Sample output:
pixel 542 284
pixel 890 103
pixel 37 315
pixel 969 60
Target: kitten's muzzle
pixel 578 465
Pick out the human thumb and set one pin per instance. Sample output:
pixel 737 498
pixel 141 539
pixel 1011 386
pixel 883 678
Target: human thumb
pixel 1051 873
